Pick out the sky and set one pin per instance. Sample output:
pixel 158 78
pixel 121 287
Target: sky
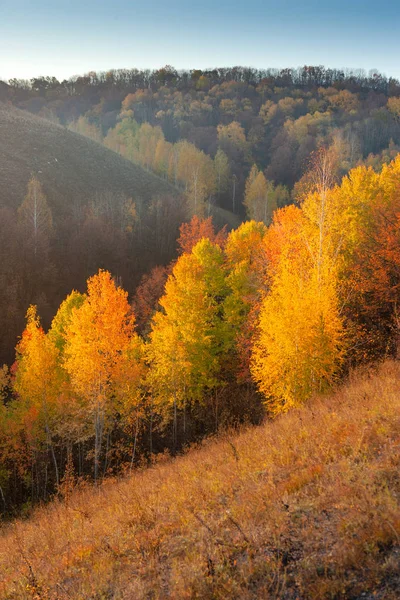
pixel 66 38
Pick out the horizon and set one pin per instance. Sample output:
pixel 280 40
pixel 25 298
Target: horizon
pixel 69 39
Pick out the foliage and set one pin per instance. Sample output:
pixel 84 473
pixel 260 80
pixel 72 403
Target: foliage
pixel 98 336
pixel 242 324
pixel 187 336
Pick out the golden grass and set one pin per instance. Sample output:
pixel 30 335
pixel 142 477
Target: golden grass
pixel 304 507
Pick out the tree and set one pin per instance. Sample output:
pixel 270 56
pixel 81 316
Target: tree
pixel 148 294
pixel 59 326
pixel 187 336
pixel 222 171
pixel 34 215
pixel 86 128
pixel 260 197
pixel 196 230
pixel 147 139
pixel 371 273
pixel 298 348
pixel 232 134
pixel 195 171
pixel 393 105
pixel 245 264
pixel 129 390
pixel 38 379
pixel 98 335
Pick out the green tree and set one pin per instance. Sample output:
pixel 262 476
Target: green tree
pixel 188 335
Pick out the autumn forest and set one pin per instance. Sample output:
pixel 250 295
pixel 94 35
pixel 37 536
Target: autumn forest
pixel 254 269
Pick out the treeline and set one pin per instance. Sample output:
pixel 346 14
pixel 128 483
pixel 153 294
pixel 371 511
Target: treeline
pixel 307 77
pixel 275 119
pixel 256 320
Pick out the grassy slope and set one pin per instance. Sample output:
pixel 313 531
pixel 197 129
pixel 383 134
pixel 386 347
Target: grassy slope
pixel 305 507
pixel 71 167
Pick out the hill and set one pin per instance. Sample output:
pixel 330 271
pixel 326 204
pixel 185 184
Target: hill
pixel 304 507
pixel 88 189
pixel 274 118
pixel 71 167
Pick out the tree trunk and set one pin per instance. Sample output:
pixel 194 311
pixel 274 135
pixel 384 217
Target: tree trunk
pixel 98 426
pixel 134 444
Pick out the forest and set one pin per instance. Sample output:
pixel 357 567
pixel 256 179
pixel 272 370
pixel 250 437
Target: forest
pixel 273 118
pixel 234 143
pixel 241 325
pixel 200 335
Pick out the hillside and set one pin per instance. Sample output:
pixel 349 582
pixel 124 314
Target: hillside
pixel 71 168
pixel 273 118
pixel 304 507
pixel 88 189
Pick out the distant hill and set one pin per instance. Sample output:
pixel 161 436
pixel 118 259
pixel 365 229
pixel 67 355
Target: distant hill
pixel 305 507
pixel 71 168
pixel 87 187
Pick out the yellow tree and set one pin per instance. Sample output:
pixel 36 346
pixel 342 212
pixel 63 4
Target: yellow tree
pixel 300 340
pixel 60 323
pixel 195 170
pixel 162 157
pixel 84 127
pixel 245 264
pixel 129 389
pixel 393 105
pixel 233 134
pixel 260 197
pixel 98 334
pixel 299 344
pixel 38 378
pixel 147 139
pixel 123 138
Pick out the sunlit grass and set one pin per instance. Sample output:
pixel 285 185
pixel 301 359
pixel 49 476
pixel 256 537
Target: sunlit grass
pixel 303 507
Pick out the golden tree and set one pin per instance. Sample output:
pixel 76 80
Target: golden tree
pixel 299 343
pixel 99 333
pixel 38 380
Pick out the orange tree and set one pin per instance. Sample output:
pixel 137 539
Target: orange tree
pixel 99 333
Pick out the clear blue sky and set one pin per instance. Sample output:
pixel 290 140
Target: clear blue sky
pixel 64 38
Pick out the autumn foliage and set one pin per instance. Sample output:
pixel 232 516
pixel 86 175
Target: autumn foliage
pixel 250 322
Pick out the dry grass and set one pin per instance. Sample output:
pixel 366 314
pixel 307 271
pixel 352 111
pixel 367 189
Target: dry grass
pixel 305 507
